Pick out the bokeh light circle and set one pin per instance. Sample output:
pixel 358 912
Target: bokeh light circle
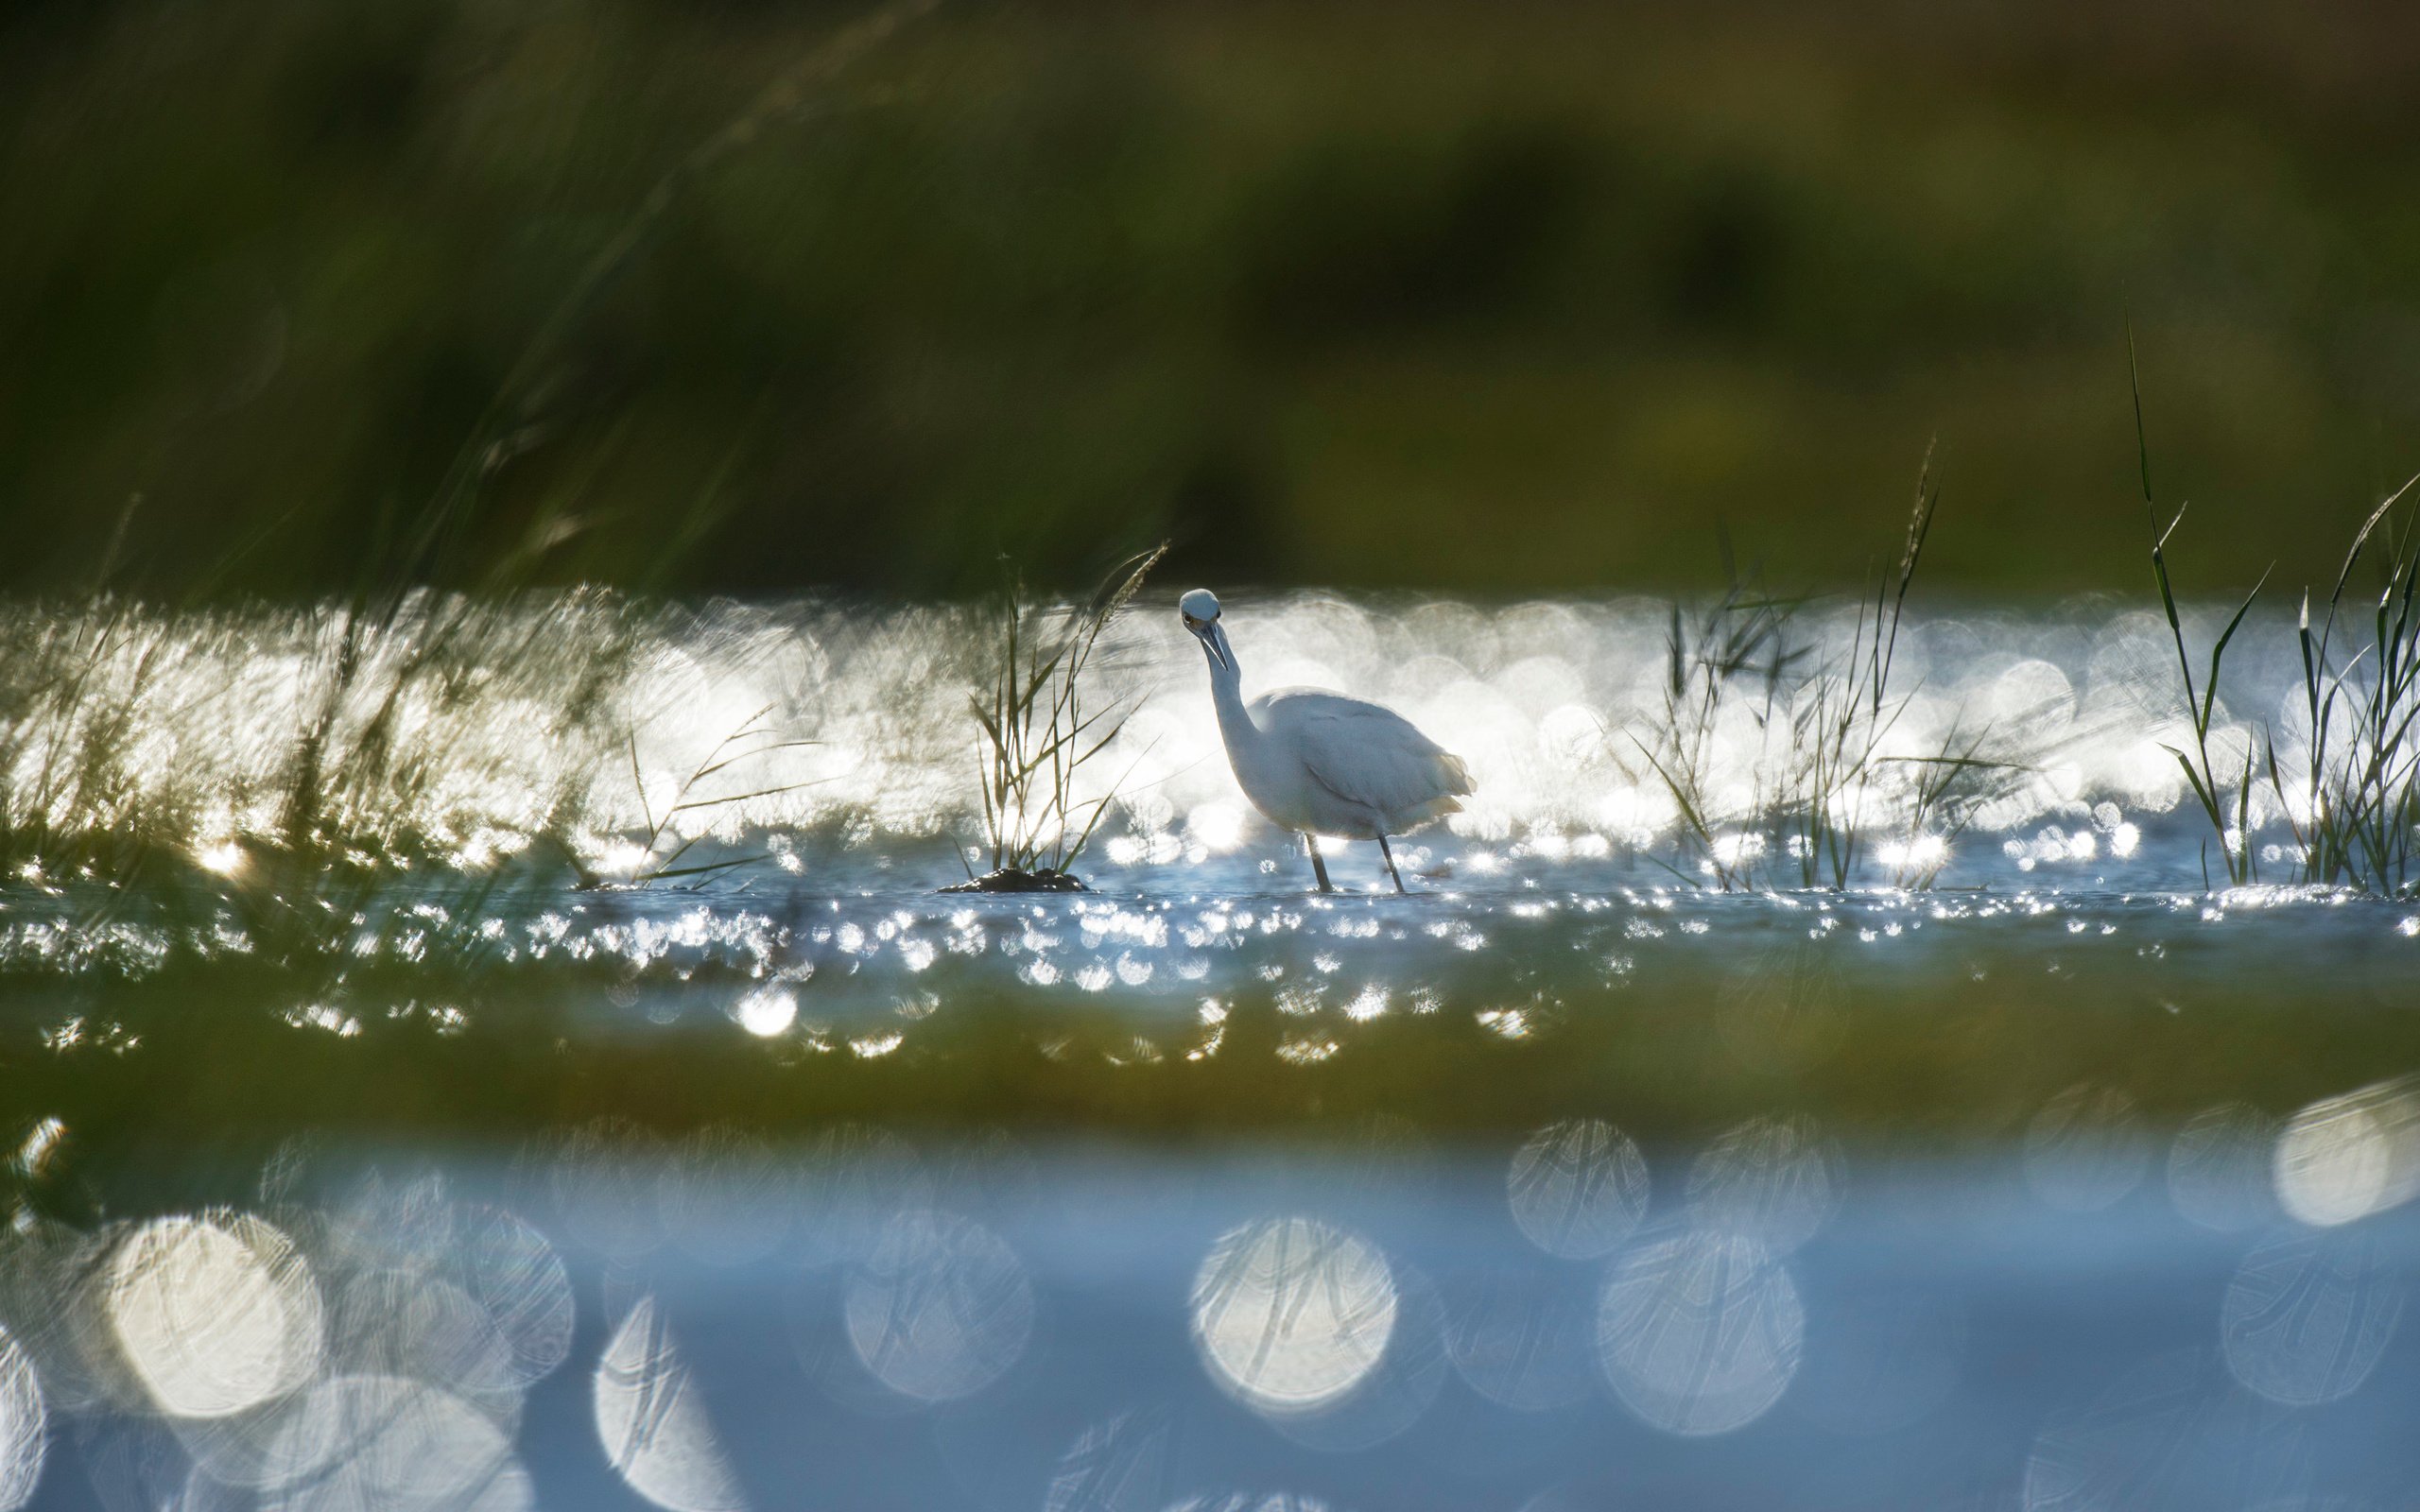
pixel 941 1308
pixel 2308 1313
pixel 2347 1157
pixel 2085 1149
pixel 1578 1189
pixel 2218 1168
pixel 1699 1333
pixel 363 1441
pixel 1290 1314
pixel 24 1429
pixel 651 1420
pixel 1777 1180
pixel 213 1315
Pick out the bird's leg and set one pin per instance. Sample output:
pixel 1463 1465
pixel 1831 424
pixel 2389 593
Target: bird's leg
pixel 1390 865
pixel 1318 864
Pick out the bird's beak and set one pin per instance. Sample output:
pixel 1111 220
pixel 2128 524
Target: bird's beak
pixel 1206 632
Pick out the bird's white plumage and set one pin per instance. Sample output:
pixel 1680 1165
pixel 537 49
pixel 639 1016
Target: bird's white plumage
pixel 1319 763
pixel 1372 772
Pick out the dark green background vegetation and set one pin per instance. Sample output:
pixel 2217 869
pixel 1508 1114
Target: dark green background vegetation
pixel 1489 298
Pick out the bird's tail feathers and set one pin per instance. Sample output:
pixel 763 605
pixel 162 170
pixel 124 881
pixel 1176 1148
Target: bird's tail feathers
pixel 1436 808
pixel 1458 776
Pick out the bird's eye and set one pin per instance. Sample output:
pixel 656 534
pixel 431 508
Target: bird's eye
pixel 1192 624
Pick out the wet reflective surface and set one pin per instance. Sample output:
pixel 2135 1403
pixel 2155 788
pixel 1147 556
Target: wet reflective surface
pixel 586 732
pixel 435 1150
pixel 989 1323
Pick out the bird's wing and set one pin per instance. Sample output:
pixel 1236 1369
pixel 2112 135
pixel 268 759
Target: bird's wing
pixel 1366 754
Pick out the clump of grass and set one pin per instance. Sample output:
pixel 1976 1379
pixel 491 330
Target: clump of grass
pixel 1840 732
pixel 1740 646
pixel 1041 730
pixel 659 851
pixel 401 683
pixel 2353 802
pixel 310 783
pixel 71 802
pixel 367 763
pixel 2201 707
pixel 380 824
pixel 1841 770
pixel 1947 789
pixel 2359 816
pixel 1835 711
pixel 359 737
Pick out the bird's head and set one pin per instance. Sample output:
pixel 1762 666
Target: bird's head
pixel 1198 609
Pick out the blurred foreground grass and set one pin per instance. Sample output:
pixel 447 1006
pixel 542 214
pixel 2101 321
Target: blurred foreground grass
pixel 1912 1060
pixel 1521 296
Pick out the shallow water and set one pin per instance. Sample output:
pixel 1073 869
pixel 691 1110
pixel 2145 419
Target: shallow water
pixel 401 1172
pixel 460 733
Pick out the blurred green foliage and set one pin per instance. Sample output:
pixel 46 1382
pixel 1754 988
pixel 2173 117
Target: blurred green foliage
pixel 208 1056
pixel 1523 295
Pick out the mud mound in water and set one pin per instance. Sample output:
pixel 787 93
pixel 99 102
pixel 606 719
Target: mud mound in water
pixel 1014 879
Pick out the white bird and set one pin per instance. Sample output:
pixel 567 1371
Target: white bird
pixel 1320 762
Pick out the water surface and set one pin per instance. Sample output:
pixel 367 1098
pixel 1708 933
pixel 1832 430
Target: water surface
pixel 402 1144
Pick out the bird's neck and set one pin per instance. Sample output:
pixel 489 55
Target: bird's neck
pixel 1227 696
